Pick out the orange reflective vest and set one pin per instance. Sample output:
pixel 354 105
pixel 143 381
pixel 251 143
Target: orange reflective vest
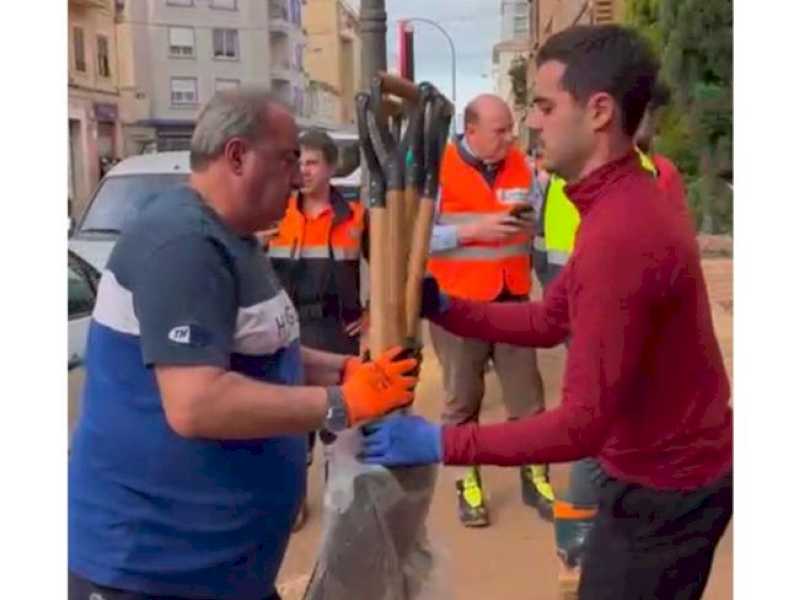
pixel 317 259
pixel 481 271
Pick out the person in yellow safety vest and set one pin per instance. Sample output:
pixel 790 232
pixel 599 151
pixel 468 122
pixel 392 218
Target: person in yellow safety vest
pixel 557 227
pixel 480 251
pixel 558 222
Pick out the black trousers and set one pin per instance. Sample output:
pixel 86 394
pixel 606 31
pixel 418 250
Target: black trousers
pixel 654 545
pixel 83 589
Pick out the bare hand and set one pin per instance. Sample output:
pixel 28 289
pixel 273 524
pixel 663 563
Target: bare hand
pixel 356 327
pixel 267 235
pixel 494 227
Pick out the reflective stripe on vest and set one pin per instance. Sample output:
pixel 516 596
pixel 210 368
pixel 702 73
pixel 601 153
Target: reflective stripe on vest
pixel 557 257
pixel 315 252
pixel 486 252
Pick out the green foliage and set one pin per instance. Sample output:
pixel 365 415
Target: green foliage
pixel 694 40
pixel 518 77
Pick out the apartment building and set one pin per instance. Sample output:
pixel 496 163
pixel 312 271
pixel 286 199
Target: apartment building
pixel 174 54
pixel 332 56
pixel 95 135
pixel 514 20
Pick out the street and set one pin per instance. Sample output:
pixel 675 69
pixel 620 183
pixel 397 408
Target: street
pixel 515 556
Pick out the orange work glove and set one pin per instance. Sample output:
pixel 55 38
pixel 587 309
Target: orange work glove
pixel 373 389
pixel 350 366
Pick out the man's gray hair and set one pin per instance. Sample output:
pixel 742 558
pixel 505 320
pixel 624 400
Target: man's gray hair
pixel 242 112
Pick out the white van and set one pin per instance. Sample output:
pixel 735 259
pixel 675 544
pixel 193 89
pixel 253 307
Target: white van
pixel 136 181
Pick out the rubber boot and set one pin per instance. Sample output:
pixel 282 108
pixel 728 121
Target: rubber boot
pixel 536 489
pixel 572 525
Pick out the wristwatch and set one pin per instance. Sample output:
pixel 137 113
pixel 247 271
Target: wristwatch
pixel 336 418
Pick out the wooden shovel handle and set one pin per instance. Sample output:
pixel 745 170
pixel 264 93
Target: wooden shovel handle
pixel 398 86
pixel 380 329
pixel 417 264
pixel 397 244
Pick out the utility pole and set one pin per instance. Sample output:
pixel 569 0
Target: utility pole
pixel 373 41
pixel 373 59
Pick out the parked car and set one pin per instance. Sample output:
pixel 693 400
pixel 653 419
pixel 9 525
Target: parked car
pixel 82 283
pixel 134 182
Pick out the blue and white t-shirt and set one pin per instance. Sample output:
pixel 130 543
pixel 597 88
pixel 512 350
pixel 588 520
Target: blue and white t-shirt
pixel 149 510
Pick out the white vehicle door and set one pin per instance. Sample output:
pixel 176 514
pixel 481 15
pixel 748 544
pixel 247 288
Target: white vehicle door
pixel 81 293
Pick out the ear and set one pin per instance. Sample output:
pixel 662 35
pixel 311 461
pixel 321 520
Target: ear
pixel 601 109
pixel 235 149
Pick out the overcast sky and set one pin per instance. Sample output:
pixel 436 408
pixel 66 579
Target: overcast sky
pixel 474 28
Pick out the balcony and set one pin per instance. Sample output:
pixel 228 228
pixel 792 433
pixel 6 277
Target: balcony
pixel 281 28
pixel 278 10
pixel 604 12
pixel 282 71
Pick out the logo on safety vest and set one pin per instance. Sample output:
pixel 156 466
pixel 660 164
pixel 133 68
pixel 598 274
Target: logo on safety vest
pixel 512 195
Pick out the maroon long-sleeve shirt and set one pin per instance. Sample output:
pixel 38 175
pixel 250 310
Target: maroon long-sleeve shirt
pixel 645 390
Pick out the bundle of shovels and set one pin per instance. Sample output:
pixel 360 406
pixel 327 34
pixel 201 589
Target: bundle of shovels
pixel 375 543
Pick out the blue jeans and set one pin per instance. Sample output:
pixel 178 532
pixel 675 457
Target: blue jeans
pixel 585 479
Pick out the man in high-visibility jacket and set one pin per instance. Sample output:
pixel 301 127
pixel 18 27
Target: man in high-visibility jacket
pixel 479 251
pixel 316 254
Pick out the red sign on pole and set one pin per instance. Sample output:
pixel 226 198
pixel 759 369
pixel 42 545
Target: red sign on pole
pixel 405 49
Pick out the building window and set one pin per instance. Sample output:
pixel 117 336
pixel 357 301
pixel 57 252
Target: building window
pixel 79 49
pixel 184 91
pixel 103 62
pixel 181 41
pixel 226 43
pixel 520 24
pixel 278 10
pixel 224 4
pixel 295 12
pixel 298 57
pixel 180 2
pixel 226 84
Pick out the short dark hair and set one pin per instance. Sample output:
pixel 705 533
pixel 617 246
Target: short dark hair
pixel 605 58
pixel 316 139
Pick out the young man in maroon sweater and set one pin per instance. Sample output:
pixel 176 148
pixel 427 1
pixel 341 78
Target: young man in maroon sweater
pixel 645 391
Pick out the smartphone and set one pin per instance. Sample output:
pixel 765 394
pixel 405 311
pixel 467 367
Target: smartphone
pixel 522 211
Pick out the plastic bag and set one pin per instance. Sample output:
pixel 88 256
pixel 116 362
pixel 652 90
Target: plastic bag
pixel 375 544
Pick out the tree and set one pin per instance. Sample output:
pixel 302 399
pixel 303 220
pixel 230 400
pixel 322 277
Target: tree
pixel 518 79
pixel 694 40
pixel 697 62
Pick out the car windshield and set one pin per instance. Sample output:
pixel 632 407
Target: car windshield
pixel 120 199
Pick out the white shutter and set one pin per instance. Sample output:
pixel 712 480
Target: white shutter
pixel 181 36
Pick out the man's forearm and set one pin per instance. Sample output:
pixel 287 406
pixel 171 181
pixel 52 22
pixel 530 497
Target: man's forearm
pixel 518 323
pixel 233 406
pixel 559 435
pixel 322 368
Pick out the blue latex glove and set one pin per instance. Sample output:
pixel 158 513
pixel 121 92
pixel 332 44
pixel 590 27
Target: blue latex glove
pixel 434 301
pixel 401 440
